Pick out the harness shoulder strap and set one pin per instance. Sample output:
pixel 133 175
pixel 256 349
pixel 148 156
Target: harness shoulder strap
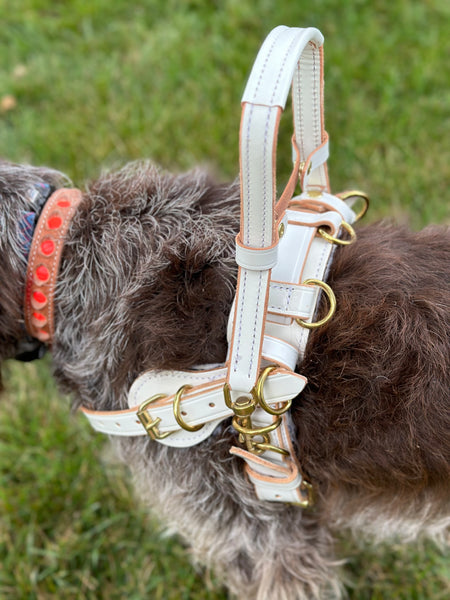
pixel 288 55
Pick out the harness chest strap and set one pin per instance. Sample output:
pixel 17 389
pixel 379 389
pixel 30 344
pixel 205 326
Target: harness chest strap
pixel 202 404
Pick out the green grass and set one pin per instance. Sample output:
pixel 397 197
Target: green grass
pixel 98 83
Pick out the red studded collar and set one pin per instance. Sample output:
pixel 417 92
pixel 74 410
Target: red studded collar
pixel 44 260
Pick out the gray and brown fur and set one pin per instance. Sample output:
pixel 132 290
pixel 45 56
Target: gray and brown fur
pixel 147 280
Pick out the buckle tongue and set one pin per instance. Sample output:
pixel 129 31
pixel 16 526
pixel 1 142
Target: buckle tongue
pixel 151 425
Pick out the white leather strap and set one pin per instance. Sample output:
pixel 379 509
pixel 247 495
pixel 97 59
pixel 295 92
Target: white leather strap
pixel 204 404
pixel 287 55
pixel 275 482
pixel 277 351
pixel 264 98
pixel 330 219
pixel 310 134
pixel 324 201
pixel 270 80
pixel 246 343
pixel 256 259
pixel 292 300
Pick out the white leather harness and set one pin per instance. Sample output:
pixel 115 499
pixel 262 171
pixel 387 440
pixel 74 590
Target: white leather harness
pixel 283 251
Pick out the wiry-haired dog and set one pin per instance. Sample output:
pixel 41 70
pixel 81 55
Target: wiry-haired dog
pixel 146 282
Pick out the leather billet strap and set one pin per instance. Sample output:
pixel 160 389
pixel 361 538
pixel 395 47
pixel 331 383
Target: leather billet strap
pixel 44 260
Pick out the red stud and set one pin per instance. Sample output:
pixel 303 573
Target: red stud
pixel 44 336
pixel 63 203
pixel 54 222
pixel 39 319
pixel 47 247
pixel 39 297
pixel 39 316
pixel 42 273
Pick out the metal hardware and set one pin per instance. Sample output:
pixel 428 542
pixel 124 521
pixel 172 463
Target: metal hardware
pixel 281 230
pixel 243 403
pixel 177 411
pixel 245 406
pixel 356 194
pixel 301 167
pixel 331 298
pixel 150 425
pixel 250 431
pixel 314 193
pixel 265 447
pixel 307 493
pixel 259 392
pixel 333 240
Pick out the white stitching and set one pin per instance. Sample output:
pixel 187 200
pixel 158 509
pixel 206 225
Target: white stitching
pixel 238 341
pixel 248 178
pixel 258 308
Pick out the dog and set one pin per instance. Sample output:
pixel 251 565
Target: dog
pixel 147 281
pixel 140 277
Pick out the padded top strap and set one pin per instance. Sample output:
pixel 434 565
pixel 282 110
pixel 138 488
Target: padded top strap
pixel 288 55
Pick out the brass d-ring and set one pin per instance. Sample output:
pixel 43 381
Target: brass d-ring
pixel 259 394
pixel 356 194
pixel 333 240
pixel 177 412
pixel 331 298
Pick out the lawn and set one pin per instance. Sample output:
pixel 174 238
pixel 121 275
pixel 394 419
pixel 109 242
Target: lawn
pixel 87 86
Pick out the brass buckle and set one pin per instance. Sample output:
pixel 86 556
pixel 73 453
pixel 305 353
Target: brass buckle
pixel 150 424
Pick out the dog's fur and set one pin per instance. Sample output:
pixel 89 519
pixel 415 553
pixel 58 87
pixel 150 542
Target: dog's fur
pixel 147 281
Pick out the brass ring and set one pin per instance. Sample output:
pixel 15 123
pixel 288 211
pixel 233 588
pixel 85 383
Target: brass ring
pixel 264 447
pixel 358 194
pixel 329 238
pixel 177 413
pixel 253 446
pixel 258 431
pixel 331 298
pixel 259 392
